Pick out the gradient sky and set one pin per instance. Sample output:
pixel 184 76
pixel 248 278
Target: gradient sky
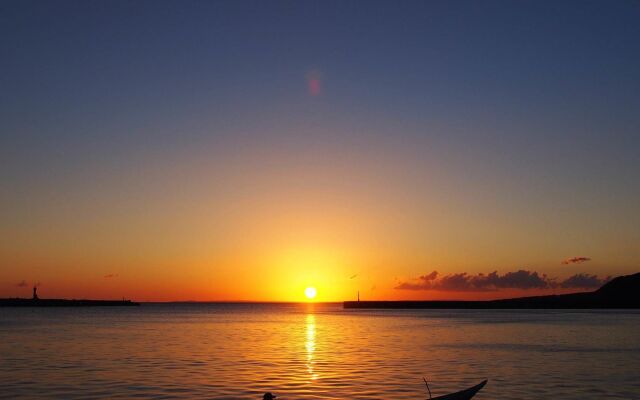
pixel 235 150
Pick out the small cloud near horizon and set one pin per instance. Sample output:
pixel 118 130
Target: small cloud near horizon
pixel 575 260
pixel 353 276
pixel 22 283
pixel 521 279
pixel 109 276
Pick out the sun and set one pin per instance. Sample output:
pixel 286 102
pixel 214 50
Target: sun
pixel 310 292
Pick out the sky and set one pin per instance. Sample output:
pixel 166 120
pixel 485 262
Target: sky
pixel 246 150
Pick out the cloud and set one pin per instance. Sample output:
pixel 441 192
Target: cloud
pixel 477 283
pixel 432 276
pixel 521 279
pixel 353 276
pixel 22 283
pixel 584 281
pixel 575 260
pixel 109 276
pixel 423 282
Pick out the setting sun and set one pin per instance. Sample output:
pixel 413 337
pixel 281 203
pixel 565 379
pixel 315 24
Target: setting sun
pixel 310 292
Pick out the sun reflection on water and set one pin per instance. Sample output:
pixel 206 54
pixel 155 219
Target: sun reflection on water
pixel 310 345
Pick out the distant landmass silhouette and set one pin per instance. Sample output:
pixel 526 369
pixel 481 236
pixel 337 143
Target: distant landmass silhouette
pixel 620 292
pixel 18 302
pixel 35 301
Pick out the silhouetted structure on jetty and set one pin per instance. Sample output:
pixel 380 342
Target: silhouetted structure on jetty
pixel 621 292
pixel 35 301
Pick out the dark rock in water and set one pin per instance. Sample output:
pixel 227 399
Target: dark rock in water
pixel 621 292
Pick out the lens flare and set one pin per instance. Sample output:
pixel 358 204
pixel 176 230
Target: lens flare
pixel 314 82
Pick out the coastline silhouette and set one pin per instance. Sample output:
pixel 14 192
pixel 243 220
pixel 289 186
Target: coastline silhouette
pixel 36 301
pixel 620 292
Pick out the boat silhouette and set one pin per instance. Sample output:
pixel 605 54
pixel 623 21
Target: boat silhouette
pixel 461 395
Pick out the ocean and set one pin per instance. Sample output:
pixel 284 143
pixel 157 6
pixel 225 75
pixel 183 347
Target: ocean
pixel 315 351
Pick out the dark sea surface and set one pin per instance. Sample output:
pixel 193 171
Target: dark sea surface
pixel 300 351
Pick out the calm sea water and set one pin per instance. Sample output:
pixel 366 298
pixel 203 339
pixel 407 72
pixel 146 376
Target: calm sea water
pixel 239 351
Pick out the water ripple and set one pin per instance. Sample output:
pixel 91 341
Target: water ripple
pixel 241 351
